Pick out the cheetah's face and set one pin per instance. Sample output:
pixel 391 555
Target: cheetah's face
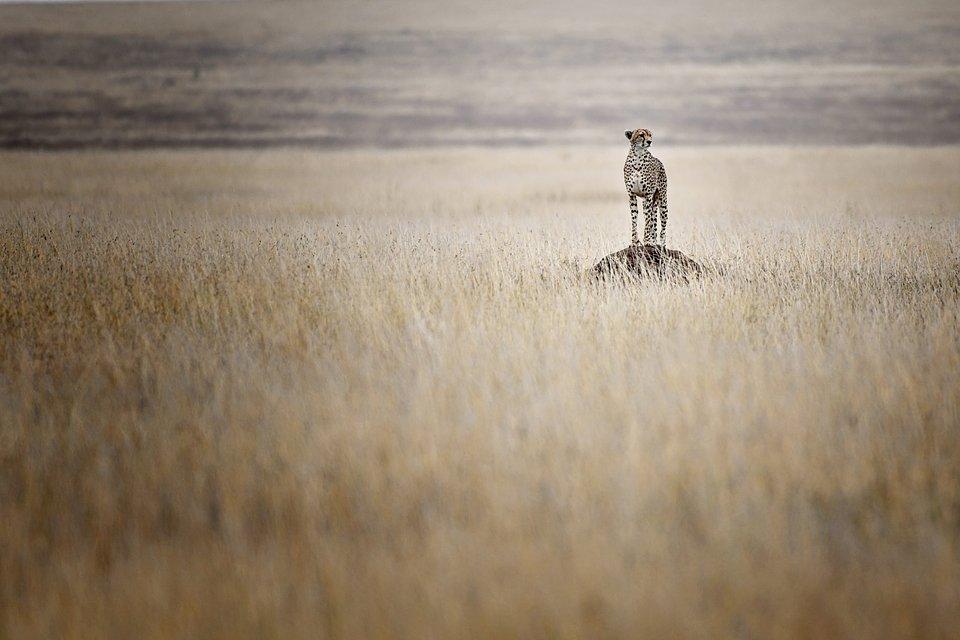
pixel 639 138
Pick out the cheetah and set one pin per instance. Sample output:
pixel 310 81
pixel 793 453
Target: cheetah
pixel 645 177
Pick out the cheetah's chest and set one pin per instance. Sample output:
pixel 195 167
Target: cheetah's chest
pixel 643 176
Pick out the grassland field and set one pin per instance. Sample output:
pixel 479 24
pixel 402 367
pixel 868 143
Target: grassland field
pixel 371 394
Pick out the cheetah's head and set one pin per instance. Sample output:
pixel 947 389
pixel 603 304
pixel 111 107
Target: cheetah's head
pixel 639 138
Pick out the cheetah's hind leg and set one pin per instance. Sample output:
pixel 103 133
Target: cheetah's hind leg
pixel 662 202
pixel 650 220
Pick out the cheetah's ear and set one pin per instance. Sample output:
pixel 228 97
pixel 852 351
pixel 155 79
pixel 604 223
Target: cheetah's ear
pixel 629 134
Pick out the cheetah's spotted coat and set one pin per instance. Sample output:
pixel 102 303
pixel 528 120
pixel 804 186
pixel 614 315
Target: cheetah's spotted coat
pixel 646 178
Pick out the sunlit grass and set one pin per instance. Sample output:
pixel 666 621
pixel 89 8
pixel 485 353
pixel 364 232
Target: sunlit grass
pixel 267 396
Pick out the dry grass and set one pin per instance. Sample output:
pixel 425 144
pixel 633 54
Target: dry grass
pixel 258 395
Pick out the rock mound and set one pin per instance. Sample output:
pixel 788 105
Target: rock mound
pixel 648 261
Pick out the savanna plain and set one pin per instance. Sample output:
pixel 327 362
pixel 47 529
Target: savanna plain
pixel 373 394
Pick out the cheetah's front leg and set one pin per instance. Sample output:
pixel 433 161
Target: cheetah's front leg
pixel 633 219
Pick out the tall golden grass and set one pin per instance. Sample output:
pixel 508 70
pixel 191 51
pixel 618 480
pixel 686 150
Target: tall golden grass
pixel 371 394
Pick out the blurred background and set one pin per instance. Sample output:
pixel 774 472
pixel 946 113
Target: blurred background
pixel 441 72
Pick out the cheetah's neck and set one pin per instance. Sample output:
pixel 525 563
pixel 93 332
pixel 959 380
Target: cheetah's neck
pixel 635 159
